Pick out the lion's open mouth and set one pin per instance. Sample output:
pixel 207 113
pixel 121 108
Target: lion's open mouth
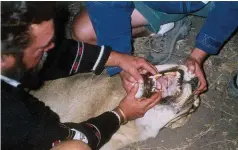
pixel 174 82
pixel 169 82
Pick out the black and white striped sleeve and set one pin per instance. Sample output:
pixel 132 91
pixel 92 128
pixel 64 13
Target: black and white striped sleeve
pixel 75 57
pixel 93 58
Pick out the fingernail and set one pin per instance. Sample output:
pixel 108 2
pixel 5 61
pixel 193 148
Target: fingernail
pixel 133 84
pixel 141 81
pixel 190 72
pixel 136 84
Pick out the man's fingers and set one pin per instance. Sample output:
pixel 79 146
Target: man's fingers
pixel 133 90
pixel 149 67
pixel 150 102
pixel 202 86
pixel 154 68
pixel 137 76
pixel 196 69
pixel 156 98
pixel 142 71
pixel 156 95
pixel 127 87
pixel 131 79
pixel 202 81
pixel 128 84
pixel 191 66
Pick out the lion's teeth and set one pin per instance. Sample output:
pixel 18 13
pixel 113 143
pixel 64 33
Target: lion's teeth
pixel 155 76
pixel 170 73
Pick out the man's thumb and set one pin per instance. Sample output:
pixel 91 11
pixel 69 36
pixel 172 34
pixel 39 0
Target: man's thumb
pixel 191 66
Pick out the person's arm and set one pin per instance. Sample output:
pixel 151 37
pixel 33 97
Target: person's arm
pixel 195 65
pixel 74 57
pixel 95 132
pixel 218 27
pixel 43 127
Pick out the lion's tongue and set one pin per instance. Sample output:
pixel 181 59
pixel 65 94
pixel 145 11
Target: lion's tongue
pixel 167 84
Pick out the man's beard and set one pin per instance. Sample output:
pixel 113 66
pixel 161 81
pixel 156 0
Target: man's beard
pixel 40 64
pixel 19 70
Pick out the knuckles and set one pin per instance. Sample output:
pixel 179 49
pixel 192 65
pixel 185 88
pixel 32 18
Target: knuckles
pixel 141 61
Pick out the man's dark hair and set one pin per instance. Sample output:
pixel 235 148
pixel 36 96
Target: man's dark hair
pixel 16 17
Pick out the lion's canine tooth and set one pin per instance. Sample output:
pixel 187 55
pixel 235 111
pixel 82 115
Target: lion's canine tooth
pixel 170 73
pixel 155 76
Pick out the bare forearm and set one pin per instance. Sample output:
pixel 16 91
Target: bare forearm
pixel 113 59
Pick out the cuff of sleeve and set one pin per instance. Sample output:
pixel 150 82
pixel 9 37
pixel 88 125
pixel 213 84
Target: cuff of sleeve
pixel 207 44
pixel 107 124
pixel 99 65
pixel 113 70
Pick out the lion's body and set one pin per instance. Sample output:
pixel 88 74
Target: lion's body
pixel 83 96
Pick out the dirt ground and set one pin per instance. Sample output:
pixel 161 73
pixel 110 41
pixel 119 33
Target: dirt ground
pixel 215 124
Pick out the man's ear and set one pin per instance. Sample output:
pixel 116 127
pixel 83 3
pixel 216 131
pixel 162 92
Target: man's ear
pixel 7 61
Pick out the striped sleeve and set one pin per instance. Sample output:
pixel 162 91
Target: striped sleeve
pixel 75 57
pixel 92 58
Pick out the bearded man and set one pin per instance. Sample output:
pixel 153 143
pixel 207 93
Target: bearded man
pixel 27 36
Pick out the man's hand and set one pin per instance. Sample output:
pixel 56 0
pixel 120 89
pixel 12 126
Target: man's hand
pixel 195 65
pixel 135 66
pixel 127 80
pixel 134 108
pixel 132 67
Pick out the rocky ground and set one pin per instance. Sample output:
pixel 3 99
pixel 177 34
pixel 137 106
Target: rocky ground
pixel 215 125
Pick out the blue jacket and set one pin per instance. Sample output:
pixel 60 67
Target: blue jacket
pixel 112 24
